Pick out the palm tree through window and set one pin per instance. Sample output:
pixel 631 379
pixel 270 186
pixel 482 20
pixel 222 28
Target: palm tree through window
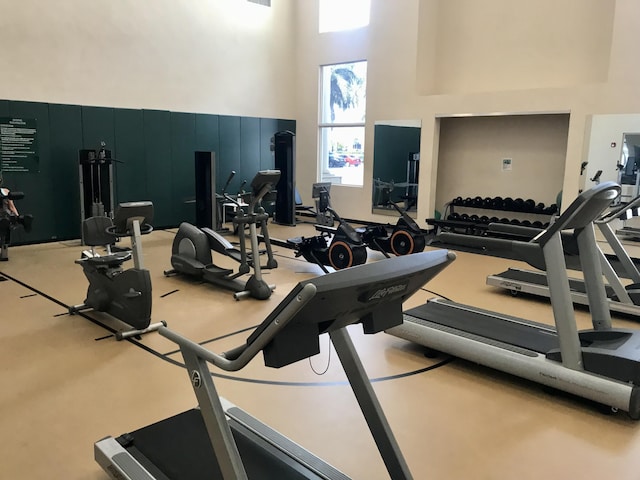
pixel 342 121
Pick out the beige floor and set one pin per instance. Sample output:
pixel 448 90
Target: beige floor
pixel 63 385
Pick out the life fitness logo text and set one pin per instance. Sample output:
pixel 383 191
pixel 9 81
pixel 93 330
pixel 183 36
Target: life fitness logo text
pixel 383 292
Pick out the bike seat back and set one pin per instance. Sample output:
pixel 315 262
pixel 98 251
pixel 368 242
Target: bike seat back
pixel 94 231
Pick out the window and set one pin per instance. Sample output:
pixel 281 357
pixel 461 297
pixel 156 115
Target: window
pixel 337 15
pixel 342 117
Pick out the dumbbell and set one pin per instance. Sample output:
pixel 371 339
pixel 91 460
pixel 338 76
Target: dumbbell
pixel 507 204
pixel 457 201
pixel 529 205
pixel 518 205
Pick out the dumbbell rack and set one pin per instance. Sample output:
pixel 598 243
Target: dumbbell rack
pixel 472 216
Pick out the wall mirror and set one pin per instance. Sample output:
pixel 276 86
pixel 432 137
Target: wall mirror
pixel 396 164
pixel 629 166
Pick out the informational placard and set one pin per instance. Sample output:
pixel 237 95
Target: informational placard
pixel 18 145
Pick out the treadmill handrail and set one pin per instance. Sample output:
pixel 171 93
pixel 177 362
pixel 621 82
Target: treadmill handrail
pixel 238 357
pixel 596 198
pixel 616 212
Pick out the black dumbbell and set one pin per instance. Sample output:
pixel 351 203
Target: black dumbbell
pixel 457 201
pixel 518 205
pixel 507 203
pixel 468 202
pixel 540 207
pixel 529 205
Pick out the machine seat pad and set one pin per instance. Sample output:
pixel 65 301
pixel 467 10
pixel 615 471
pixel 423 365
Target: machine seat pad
pixel 113 260
pixel 326 229
pixel 295 241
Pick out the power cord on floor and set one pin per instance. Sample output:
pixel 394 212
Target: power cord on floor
pixel 436 294
pixel 328 360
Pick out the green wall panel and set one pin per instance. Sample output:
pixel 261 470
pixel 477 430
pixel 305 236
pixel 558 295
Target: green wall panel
pixel 37 187
pixel 154 153
pixel 157 146
pixel 66 137
pixel 228 157
pixel 130 166
pixel 183 146
pixel 268 127
pixel 97 126
pixel 208 140
pixel 249 149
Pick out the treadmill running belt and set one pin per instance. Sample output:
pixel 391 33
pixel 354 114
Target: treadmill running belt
pixel 540 278
pixel 180 448
pixel 532 336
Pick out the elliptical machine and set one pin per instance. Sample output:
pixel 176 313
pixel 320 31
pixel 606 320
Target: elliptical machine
pixel 191 250
pixel 345 247
pixel 123 294
pixel 403 238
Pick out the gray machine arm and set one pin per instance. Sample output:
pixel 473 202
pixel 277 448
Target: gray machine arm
pixel 238 357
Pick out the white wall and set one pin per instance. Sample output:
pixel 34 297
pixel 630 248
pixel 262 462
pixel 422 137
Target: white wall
pixel 430 59
pixel 235 57
pixel 216 56
pixel 471 151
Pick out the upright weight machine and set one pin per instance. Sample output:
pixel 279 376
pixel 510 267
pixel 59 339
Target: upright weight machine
pixel 96 183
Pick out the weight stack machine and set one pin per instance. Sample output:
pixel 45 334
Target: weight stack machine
pixel 96 183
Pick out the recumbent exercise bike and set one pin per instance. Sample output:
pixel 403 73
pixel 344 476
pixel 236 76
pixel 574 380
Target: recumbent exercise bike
pixel 192 246
pixel 123 294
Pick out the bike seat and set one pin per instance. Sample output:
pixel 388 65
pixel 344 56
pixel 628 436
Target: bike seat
pixel 113 260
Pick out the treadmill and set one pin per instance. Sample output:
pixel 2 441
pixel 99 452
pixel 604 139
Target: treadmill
pixel 601 364
pixel 220 441
pixel 622 299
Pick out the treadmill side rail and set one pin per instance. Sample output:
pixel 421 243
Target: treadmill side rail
pixel 525 364
pixel 117 462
